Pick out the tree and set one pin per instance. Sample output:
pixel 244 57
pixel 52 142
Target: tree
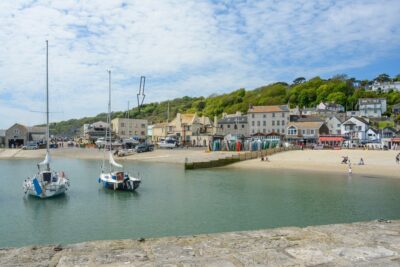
pixel 382 78
pixel 299 80
pixel 337 97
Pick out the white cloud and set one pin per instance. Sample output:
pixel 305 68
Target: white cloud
pixel 183 47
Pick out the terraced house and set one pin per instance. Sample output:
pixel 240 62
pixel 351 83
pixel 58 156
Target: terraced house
pixel 268 119
pixel 306 132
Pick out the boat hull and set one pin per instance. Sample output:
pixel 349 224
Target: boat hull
pixel 122 186
pixel 47 193
pixel 127 183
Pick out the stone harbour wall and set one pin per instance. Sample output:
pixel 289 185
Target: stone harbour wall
pixel 375 243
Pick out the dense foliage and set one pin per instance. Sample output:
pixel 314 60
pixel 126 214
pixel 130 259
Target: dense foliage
pixel 300 93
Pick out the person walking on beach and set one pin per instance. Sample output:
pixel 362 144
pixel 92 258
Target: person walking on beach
pixel 398 158
pixel 361 162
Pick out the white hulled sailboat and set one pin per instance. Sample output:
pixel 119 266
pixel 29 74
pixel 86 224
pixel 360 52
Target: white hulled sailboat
pixel 46 183
pixel 114 176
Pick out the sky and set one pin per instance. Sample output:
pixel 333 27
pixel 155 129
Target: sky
pixel 183 47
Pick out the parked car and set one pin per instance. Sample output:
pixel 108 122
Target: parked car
pixel 53 145
pixel 144 147
pixel 30 146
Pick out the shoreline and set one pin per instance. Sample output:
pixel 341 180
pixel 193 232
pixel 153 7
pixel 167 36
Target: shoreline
pixel 332 244
pixel 377 163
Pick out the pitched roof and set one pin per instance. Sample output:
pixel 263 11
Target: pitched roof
pixel 160 125
pixel 37 129
pixel 235 119
pixel 306 124
pixel 265 109
pixel 187 118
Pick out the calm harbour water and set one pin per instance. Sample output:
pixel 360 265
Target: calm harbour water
pixel 172 201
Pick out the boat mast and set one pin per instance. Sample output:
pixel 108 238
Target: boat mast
pixel 47 98
pixel 109 112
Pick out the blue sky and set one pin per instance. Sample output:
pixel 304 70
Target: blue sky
pixel 193 48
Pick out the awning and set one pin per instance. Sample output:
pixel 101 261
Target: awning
pixel 331 139
pixel 396 139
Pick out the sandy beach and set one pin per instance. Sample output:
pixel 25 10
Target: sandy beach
pixel 377 163
pixel 158 155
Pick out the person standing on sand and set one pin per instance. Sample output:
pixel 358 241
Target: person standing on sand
pixel 398 158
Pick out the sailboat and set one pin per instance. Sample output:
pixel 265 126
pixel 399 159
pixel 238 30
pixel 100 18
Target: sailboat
pixel 47 182
pixel 113 176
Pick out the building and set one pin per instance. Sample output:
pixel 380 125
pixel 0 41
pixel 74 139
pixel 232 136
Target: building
pixel 19 135
pixel 372 107
pixel 373 136
pixel 268 119
pixel 159 131
pixel 233 124
pixel 384 86
pixel 127 128
pixel 94 131
pixel 396 109
pixel 189 129
pixel 330 106
pixel 305 132
pixel 2 138
pixel 353 113
pixel 334 124
pixel 355 129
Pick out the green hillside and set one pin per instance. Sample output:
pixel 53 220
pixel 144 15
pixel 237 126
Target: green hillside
pixel 303 93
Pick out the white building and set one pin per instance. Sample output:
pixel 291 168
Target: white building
pixel 355 129
pixel 385 86
pixel 373 135
pixel 334 124
pixel 329 106
pixel 268 119
pixel 372 107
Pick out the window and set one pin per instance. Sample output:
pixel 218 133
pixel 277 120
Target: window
pixel 252 115
pixel 143 125
pixel 264 131
pixel 235 126
pixel 278 123
pixel 229 126
pixel 273 123
pixel 253 130
pixel 338 125
pixel 242 126
pixel 264 115
pixel 277 130
pixel 123 132
pixel 312 131
pixel 252 123
pixel 122 124
pixel 283 130
pixel 222 126
pixel 283 115
pixel 292 130
pixel 264 123
pixel 258 123
pixel 303 131
pixel 142 133
pixel 273 114
pixel 283 122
